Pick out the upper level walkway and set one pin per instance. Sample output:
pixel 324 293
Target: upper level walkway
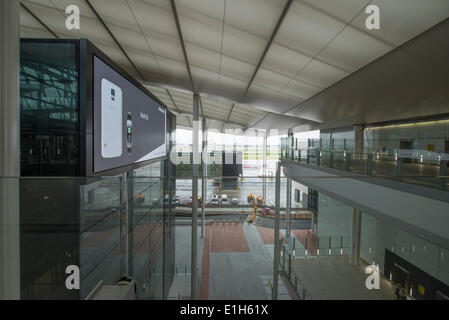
pixel 422 211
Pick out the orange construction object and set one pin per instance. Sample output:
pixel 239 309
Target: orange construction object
pixel 253 217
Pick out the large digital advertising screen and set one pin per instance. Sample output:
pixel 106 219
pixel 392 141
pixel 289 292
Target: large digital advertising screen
pixel 129 126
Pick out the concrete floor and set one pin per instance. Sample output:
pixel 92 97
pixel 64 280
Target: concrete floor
pixel 246 271
pixel 235 272
pixel 336 279
pixel 244 275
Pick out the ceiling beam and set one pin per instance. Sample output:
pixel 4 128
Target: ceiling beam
pixel 177 109
pixel 172 100
pixel 115 39
pixel 181 39
pixel 262 118
pixel 230 112
pixel 39 20
pixel 267 47
pixel 229 115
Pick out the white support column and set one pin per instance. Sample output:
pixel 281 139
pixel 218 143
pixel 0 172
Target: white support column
pixel 277 246
pixel 9 150
pixel 204 161
pixel 196 161
pixel 264 173
pixel 288 222
pixel 356 234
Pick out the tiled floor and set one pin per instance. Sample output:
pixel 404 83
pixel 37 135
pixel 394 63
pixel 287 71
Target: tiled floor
pixel 336 279
pixel 243 274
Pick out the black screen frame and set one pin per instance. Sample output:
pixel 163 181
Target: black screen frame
pixel 86 113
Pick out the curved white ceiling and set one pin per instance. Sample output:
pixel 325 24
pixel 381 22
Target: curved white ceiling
pixel 318 43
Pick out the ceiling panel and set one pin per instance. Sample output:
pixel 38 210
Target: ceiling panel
pixel 203 58
pixel 225 40
pixel 47 3
pixel 167 47
pixel 243 119
pixel 130 38
pixel 175 72
pixel 343 10
pixel 114 53
pixel 242 45
pixel 246 110
pixel 116 12
pixel 212 9
pixel 269 79
pixel 162 95
pixel 321 74
pixel 28 32
pixel 154 17
pixel 284 60
pixel 231 88
pixel 276 121
pixel 199 29
pixel 143 60
pixel 260 21
pixel 269 100
pixel 130 70
pixel 409 82
pixel 61 5
pixel 53 18
pixel 307 30
pixel 352 49
pixel 27 20
pixel 205 81
pixel 237 69
pixel 401 20
pixel 300 90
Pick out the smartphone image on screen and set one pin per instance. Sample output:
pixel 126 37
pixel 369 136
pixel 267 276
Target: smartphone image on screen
pixel 111 120
pixel 129 132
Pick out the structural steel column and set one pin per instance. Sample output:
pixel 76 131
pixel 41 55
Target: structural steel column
pixel 124 225
pixel 288 223
pixel 196 161
pixel 9 150
pixel 276 233
pixel 264 173
pixel 356 232
pixel 204 161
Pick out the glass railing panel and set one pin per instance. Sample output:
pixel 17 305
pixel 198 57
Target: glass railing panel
pixel 67 222
pixel 426 169
pixel 100 232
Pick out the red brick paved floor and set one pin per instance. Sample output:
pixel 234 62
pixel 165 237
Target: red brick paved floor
pixel 228 238
pixel 267 235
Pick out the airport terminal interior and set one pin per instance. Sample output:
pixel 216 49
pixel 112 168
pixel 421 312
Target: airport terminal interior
pixel 224 149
